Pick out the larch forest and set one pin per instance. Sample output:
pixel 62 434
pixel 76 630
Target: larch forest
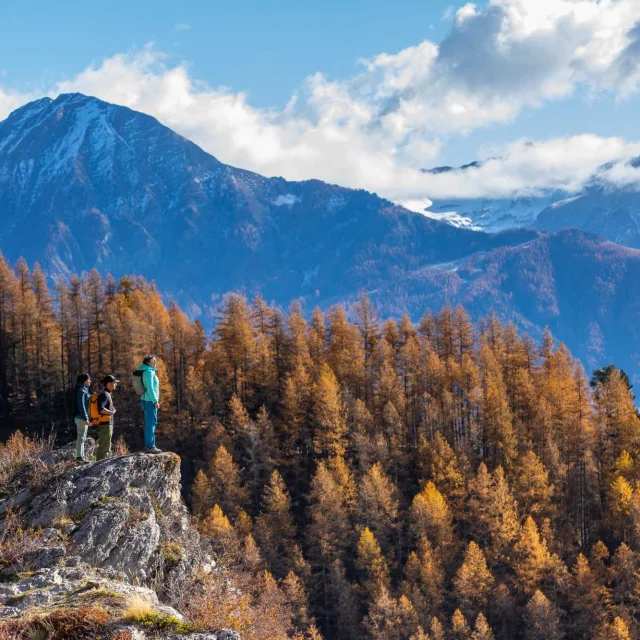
pixel 359 478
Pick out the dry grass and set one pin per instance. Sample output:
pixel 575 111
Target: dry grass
pixel 87 623
pixel 142 613
pixel 17 456
pixel 139 608
pixel 17 542
pixel 120 448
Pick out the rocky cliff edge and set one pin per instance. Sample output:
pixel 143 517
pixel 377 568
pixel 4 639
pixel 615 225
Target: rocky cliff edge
pixel 96 550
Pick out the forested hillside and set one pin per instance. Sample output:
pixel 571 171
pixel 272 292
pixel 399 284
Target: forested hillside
pixel 438 480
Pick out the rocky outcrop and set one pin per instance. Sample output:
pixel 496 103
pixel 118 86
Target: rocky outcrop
pixel 109 533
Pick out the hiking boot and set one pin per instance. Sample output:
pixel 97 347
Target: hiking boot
pixel 153 450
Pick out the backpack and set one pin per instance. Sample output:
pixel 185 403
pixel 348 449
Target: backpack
pixel 136 381
pixel 71 402
pixel 95 416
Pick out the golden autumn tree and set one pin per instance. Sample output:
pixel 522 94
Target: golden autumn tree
pixel 533 562
pixel 498 439
pixel 201 495
pixel 423 581
pixel 616 630
pixel 275 530
pixel 532 489
pixel 542 619
pixel 390 618
pixel 439 463
pixel 589 600
pixel 473 582
pixel 372 567
pixel 328 419
pixel 481 629
pixel 430 517
pixel 227 487
pixel 459 627
pixel 377 507
pixel 237 340
pixel 329 531
pixel 492 511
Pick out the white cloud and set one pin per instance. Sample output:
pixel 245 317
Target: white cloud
pixel 465 12
pixel 10 100
pixel 527 168
pixel 182 26
pixel 376 129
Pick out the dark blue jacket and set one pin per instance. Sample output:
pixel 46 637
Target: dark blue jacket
pixel 83 398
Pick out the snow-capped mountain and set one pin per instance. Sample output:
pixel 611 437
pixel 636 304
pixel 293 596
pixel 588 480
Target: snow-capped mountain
pixel 601 207
pixel 610 212
pixel 491 214
pixel 87 184
pixel 487 214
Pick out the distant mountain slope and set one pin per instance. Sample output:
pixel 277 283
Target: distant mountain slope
pixel 585 289
pixel 88 184
pixel 602 208
pixel 84 183
pixel 611 213
pixel 488 214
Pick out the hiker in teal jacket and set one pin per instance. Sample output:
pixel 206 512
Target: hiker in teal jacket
pixel 150 402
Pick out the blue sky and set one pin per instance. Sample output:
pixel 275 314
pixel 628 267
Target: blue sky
pixel 266 48
pixel 458 82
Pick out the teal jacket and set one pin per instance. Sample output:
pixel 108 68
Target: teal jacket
pixel 151 383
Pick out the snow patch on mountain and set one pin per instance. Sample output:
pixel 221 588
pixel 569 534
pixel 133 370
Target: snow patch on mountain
pixel 415 205
pixel 336 202
pixel 492 215
pixel 285 200
pixel 566 201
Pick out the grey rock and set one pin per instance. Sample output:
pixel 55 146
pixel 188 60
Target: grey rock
pixel 47 557
pixel 7 591
pixel 117 513
pixel 41 580
pixel 136 550
pixel 98 533
pixel 63 587
pixel 118 519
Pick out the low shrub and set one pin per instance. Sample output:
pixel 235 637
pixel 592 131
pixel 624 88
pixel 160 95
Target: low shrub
pixel 17 543
pixel 88 623
pixel 142 613
pixel 20 453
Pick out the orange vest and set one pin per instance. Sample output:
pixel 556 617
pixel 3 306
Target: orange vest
pixel 95 416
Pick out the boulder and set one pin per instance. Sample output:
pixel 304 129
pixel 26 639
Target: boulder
pixel 124 512
pixel 108 532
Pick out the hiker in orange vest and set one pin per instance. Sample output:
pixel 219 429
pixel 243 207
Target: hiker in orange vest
pixel 102 412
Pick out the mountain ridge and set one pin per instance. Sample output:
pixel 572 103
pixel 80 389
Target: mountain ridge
pixel 604 206
pixel 153 192
pixel 85 184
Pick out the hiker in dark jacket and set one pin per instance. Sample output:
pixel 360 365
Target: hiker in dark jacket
pixel 83 397
pixel 107 411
